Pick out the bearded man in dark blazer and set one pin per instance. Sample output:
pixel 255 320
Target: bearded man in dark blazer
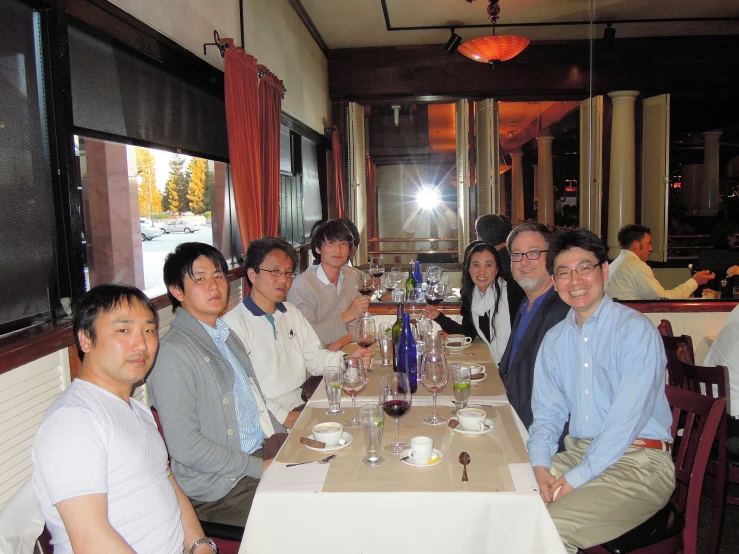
pixel 540 311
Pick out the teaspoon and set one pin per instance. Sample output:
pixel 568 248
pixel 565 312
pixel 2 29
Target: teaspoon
pixel 464 459
pixel 724 281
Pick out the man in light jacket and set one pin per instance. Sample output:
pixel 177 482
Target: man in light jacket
pixel 213 416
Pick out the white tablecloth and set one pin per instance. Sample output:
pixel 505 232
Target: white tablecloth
pixel 291 514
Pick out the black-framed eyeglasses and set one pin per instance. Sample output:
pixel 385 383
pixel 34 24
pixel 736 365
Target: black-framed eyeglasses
pixel 276 273
pixel 531 255
pixel 565 274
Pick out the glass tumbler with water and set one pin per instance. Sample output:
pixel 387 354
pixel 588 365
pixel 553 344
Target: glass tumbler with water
pixel 332 380
pixel 461 383
pixel 372 418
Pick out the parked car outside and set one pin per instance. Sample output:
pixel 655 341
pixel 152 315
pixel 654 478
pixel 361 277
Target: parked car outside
pixel 181 226
pixel 148 232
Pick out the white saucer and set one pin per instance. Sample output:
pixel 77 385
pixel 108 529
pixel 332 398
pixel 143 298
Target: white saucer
pixel 475 433
pixel 454 349
pixel 346 440
pixel 413 463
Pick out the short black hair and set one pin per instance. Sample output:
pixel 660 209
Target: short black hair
pixel 721 233
pixel 629 234
pixel 258 250
pixel 529 227
pixel 352 229
pixel 101 300
pixel 331 230
pixel 493 228
pixel 178 264
pixel 575 238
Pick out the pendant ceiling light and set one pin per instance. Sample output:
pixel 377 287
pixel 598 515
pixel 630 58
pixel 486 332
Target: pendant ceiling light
pixel 493 49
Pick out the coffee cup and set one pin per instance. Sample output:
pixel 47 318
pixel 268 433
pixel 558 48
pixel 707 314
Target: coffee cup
pixel 471 419
pixel 455 341
pixel 328 432
pixel 421 449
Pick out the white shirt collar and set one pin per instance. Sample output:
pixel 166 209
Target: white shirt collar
pixel 321 274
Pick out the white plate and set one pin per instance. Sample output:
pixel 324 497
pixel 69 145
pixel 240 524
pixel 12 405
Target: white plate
pixel 454 349
pixel 346 440
pixel 475 433
pixel 413 463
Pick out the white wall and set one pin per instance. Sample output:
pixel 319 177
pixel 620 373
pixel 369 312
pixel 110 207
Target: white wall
pixel 273 34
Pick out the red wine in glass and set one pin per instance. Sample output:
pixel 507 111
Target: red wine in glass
pixel 377 273
pixel 366 292
pixel 396 408
pixel 366 341
pixel 433 300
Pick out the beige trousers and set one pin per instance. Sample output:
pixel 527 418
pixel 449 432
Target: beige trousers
pixel 625 495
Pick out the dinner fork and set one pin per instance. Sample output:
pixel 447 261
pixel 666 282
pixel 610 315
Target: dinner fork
pixel 326 460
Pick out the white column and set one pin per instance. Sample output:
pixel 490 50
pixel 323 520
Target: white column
pixel 546 180
pixel 516 187
pixel 710 198
pixel 622 183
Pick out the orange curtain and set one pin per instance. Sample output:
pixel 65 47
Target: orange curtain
pixel 242 119
pixel 337 173
pixel 270 119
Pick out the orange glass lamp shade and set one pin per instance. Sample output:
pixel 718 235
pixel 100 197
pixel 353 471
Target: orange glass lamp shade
pixel 493 49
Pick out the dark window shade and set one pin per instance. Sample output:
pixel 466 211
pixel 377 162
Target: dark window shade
pixel 26 210
pixel 119 94
pixel 291 209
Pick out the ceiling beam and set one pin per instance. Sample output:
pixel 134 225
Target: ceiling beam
pixel 552 115
pixel 552 70
pixel 297 5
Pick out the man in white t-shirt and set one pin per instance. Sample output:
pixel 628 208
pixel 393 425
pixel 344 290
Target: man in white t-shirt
pixel 101 470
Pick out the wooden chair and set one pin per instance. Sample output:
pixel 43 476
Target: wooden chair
pixel 678 350
pixel 665 328
pixel 675 527
pixel 714 383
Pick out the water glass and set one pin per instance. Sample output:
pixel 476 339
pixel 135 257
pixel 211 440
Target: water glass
pixel 386 349
pixel 332 381
pixel 420 350
pixel 461 383
pixel 372 418
pixel 398 296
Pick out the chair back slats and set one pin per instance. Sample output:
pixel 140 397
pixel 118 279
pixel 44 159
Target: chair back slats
pixel 699 418
pixel 677 350
pixel 710 381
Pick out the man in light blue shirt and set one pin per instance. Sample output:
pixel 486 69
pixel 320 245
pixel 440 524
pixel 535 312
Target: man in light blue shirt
pixel 604 368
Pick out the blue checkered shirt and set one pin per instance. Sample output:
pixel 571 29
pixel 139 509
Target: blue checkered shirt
pixel 247 413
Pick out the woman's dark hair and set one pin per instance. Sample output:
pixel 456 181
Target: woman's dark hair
pixel 468 287
pixel 576 238
pixel 101 300
pixel 721 233
pixel 331 230
pixel 258 250
pixel 178 264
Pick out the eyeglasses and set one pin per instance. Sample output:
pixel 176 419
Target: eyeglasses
pixel 565 274
pixel 531 255
pixel 276 273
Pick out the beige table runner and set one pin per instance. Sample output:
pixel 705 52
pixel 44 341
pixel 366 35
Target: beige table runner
pixel 488 471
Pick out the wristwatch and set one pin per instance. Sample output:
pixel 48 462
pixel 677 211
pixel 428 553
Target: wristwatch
pixel 204 540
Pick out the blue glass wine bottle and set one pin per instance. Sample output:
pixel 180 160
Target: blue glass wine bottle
pixel 417 275
pixel 407 360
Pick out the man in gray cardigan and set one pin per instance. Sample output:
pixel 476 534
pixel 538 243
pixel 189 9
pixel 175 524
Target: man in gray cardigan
pixel 326 293
pixel 202 385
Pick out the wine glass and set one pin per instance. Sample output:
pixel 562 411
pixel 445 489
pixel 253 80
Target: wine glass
pixel 376 267
pixel 433 274
pixel 461 383
pixel 434 377
pixel 353 381
pixel 365 285
pixel 395 398
pixel 366 333
pixel 435 293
